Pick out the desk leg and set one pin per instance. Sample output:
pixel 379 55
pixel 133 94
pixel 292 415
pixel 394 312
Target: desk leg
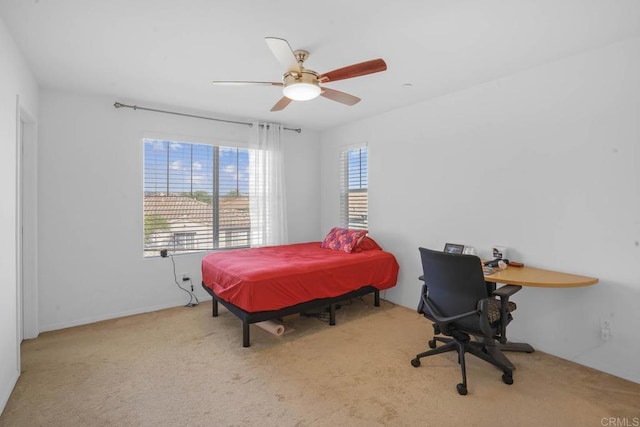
pixel 516 346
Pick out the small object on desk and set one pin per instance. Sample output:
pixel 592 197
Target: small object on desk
pixel 488 270
pixel 499 252
pixel 453 248
pixel 495 262
pixel 516 264
pixel 502 264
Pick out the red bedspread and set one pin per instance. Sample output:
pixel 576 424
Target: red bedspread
pixel 274 277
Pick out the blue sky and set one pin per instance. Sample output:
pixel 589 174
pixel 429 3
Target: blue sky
pixel 190 167
pixel 358 168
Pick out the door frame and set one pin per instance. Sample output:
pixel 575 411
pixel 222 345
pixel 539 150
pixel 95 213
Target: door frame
pixel 26 225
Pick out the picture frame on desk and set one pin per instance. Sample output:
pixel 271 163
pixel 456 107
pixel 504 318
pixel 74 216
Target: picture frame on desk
pixel 453 248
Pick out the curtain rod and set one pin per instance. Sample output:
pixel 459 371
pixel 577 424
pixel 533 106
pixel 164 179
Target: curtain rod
pixel 136 107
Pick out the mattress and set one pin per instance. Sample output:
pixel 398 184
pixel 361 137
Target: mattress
pixel 274 277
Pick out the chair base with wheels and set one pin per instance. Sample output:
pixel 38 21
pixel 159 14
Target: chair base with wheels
pixel 462 343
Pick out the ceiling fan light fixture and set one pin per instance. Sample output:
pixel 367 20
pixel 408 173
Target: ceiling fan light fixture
pixel 301 91
pixel 302 88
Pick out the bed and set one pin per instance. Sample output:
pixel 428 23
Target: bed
pixel 271 282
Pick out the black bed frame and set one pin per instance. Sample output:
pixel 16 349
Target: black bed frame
pixel 259 316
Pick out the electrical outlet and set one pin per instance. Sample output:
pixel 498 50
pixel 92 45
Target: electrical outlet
pixel 605 329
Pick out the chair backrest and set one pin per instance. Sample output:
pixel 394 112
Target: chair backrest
pixel 455 282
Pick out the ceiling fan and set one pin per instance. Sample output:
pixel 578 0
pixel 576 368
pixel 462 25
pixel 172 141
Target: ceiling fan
pixel 301 84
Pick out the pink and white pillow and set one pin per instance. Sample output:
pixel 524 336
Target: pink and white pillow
pixel 343 239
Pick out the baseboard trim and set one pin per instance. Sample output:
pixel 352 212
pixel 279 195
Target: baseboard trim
pixel 86 321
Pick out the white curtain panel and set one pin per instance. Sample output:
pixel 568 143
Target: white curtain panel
pixel 267 203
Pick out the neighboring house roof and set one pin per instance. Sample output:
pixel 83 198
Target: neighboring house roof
pixel 234 211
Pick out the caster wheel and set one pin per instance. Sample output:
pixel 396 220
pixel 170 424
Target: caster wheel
pixel 507 378
pixel 462 390
pixel 432 344
pixel 415 362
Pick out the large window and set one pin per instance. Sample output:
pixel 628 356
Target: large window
pixel 196 197
pixel 354 201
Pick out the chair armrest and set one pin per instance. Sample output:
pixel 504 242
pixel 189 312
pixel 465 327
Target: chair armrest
pixel 485 325
pixel 421 306
pixel 506 291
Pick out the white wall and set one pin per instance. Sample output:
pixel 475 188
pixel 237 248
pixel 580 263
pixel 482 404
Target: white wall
pixel 90 206
pixel 546 162
pixel 16 82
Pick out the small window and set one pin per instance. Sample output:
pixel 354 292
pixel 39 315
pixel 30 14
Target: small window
pixel 354 200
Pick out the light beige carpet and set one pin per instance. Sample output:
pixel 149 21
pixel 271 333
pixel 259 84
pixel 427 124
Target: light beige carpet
pixel 181 367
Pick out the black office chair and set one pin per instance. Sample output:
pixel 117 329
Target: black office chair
pixel 456 299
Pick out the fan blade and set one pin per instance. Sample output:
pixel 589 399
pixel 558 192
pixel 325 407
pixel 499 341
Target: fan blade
pixel 283 53
pixel 280 105
pixel 355 70
pixel 336 95
pixel 244 83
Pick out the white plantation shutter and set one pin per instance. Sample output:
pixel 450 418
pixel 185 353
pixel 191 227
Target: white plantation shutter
pixel 196 197
pixel 354 184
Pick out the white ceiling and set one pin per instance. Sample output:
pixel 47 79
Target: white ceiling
pixel 167 52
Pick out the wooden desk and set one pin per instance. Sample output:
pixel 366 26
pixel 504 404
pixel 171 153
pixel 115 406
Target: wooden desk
pixel 531 276
pixel 537 277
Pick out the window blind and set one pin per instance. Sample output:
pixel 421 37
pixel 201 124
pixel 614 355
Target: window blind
pixel 196 197
pixel 354 199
